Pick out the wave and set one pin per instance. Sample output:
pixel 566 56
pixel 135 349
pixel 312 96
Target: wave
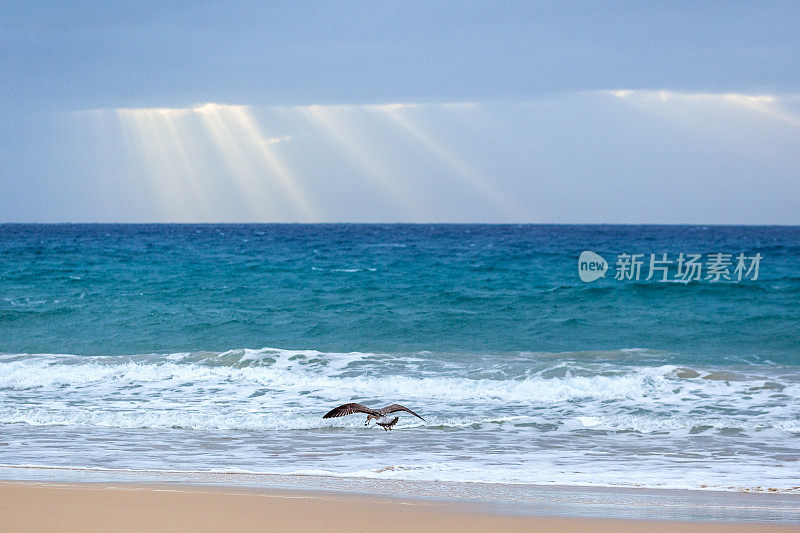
pixel 249 390
pixel 359 374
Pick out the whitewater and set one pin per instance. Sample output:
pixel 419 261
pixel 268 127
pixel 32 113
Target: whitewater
pixel 580 418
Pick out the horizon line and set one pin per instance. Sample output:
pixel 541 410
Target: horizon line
pixel 667 224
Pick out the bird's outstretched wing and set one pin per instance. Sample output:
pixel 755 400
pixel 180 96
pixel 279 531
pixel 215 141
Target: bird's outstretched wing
pixel 349 409
pixel 397 407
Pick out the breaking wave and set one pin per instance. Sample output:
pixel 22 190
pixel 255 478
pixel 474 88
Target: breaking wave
pixel 250 389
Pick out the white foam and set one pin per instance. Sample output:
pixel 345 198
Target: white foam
pixel 512 423
pixel 193 390
pixel 588 421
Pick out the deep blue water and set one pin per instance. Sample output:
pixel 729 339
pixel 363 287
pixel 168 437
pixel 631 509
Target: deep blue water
pixel 127 289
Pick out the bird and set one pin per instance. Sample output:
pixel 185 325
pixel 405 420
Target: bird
pixel 380 415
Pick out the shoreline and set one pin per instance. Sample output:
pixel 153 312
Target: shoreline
pixel 574 502
pixel 232 475
pixel 37 506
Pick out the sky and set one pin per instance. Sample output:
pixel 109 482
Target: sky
pixel 562 112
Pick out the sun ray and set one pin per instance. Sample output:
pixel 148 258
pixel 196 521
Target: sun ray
pixel 147 136
pixel 399 115
pixel 176 135
pixel 172 145
pixel 337 125
pixel 767 105
pixel 253 191
pixel 244 121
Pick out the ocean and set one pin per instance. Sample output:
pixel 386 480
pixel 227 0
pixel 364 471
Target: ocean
pixel 218 348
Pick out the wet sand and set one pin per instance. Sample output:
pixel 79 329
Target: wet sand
pixel 128 507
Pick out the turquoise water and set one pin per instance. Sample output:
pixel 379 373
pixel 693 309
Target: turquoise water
pixel 112 290
pixel 219 347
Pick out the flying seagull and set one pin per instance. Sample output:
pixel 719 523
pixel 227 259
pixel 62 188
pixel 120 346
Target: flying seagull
pixel 380 415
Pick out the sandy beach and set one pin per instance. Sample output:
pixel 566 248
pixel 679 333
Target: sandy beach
pixel 123 507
